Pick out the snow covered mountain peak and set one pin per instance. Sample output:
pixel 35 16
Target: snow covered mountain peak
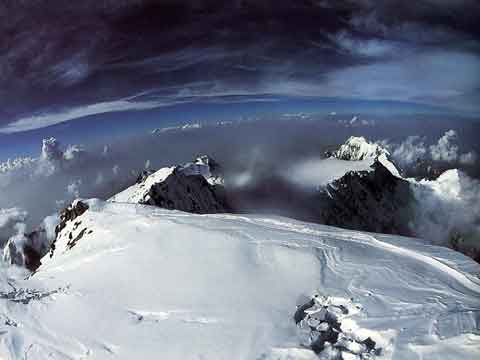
pixel 206 167
pixel 358 148
pixel 193 187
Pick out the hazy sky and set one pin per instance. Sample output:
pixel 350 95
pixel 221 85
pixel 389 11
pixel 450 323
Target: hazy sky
pixel 63 60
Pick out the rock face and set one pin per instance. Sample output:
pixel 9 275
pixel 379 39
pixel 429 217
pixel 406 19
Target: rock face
pixel 191 193
pixel 375 201
pixel 70 213
pixel 195 187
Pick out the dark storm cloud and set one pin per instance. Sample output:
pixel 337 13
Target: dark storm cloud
pixel 57 56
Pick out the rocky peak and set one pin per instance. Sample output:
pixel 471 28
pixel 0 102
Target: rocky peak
pixel 71 212
pixel 193 187
pixel 373 200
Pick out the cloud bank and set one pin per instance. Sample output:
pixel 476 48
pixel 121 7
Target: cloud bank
pixel 445 150
pixel 448 212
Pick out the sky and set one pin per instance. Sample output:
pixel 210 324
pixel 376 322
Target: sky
pixel 65 62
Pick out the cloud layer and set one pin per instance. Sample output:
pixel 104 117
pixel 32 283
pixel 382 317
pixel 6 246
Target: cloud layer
pixel 110 52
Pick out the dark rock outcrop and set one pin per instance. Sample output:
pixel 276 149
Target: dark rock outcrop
pixel 374 200
pixel 191 193
pixel 76 209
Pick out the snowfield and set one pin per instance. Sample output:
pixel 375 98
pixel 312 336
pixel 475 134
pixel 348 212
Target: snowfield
pixel 129 281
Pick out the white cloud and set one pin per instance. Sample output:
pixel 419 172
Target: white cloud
pixel 71 70
pixel 10 220
pixel 53 118
pixel 313 173
pixel 414 78
pixel 143 101
pixel 73 152
pixel 54 178
pixel 445 149
pixel 410 150
pixel 364 47
pixel 449 208
pixel 73 189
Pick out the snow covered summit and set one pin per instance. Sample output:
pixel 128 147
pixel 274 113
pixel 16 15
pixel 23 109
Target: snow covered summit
pixel 358 148
pixel 373 199
pixel 194 187
pixel 128 281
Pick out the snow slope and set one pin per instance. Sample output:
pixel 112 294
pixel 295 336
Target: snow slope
pixel 129 281
pixel 139 192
